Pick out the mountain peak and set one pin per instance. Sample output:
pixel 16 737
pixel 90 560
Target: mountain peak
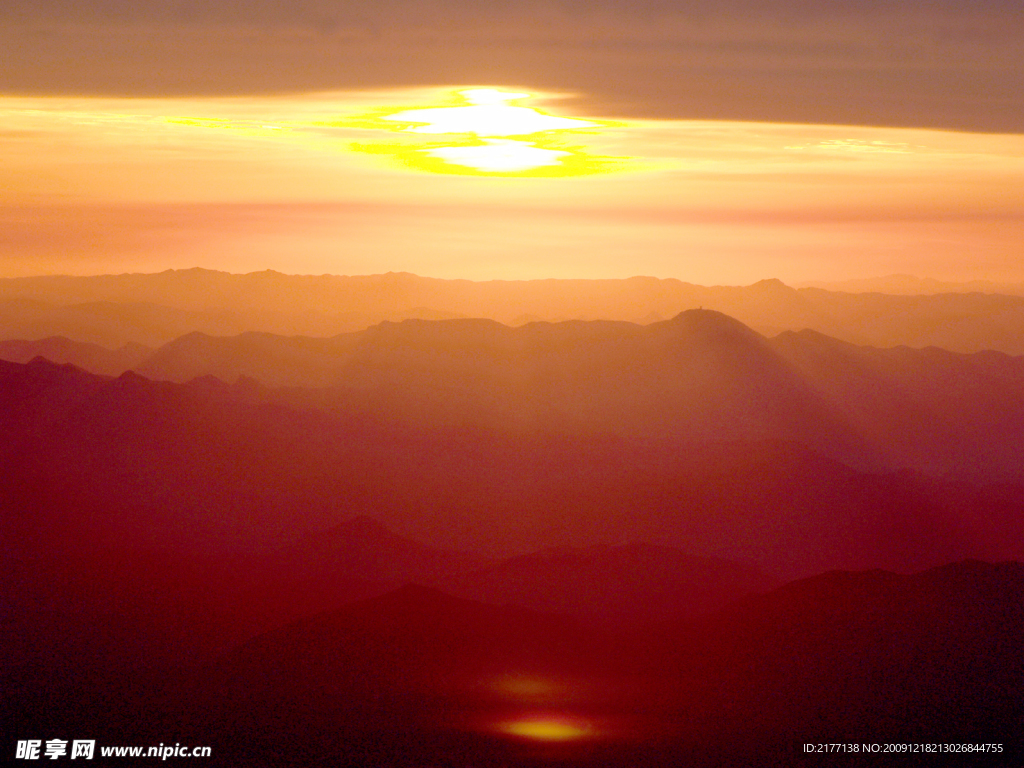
pixel 131 377
pixel 44 362
pixel 706 315
pixel 44 369
pixel 771 284
pixel 708 323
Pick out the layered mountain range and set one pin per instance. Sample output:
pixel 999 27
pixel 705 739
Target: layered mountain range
pixel 206 465
pixel 460 542
pixel 700 376
pixel 153 309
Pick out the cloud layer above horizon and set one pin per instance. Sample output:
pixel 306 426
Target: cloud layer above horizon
pixel 935 63
pixel 132 184
pixel 808 140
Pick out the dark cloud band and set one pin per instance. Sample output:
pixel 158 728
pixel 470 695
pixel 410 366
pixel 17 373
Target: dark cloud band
pixel 936 64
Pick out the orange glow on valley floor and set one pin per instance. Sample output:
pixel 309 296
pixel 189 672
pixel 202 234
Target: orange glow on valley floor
pixel 548 727
pixel 530 688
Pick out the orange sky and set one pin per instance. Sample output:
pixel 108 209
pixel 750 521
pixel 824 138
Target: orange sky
pixel 100 184
pixel 736 140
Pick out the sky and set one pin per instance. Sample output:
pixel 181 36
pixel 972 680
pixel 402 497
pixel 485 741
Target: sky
pixel 717 143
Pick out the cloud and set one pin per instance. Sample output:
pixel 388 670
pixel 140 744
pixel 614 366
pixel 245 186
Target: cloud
pixel 123 184
pixel 873 62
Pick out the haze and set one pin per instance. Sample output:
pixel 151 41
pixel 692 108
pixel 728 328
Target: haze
pixel 527 384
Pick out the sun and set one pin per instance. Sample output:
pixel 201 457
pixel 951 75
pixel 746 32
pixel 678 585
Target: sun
pixel 488 114
pixel 485 134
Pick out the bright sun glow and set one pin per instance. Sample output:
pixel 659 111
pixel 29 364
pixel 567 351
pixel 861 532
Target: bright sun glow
pixel 498 155
pixel 322 182
pixel 477 141
pixel 488 115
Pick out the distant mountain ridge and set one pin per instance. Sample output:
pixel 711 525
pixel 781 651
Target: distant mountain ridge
pixel 90 357
pixel 698 376
pixel 449 541
pixel 153 309
pixel 902 284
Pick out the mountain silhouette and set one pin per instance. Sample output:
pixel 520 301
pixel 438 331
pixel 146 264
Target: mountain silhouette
pixel 153 309
pixel 910 284
pixel 90 357
pixel 937 411
pixel 611 584
pixel 418 677
pixel 275 361
pixel 589 376
pixel 370 521
pixel 931 655
pixel 364 547
pixel 93 459
pixel 698 376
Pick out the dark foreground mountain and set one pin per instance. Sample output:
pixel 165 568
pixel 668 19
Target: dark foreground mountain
pixel 416 677
pixel 630 583
pixel 869 657
pixel 102 630
pixel 933 656
pixel 119 605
